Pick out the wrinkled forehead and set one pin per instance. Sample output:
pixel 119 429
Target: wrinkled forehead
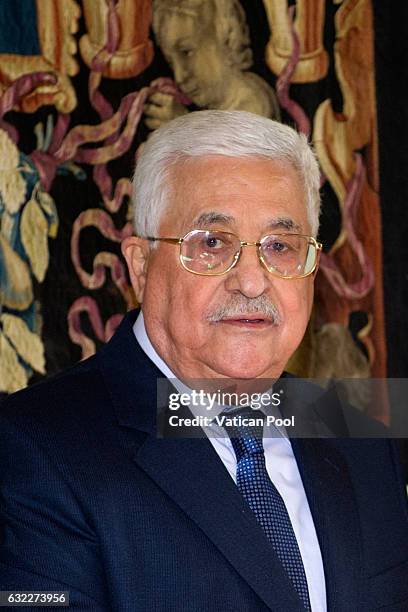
pixel 220 191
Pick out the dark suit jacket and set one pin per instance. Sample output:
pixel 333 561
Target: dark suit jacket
pixel 94 503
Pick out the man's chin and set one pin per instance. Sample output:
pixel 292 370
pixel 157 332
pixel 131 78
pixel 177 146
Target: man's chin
pixel 248 370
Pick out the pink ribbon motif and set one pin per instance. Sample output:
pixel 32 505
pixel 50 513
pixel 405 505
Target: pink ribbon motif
pixel 115 133
pixel 359 289
pixel 328 265
pixel 283 83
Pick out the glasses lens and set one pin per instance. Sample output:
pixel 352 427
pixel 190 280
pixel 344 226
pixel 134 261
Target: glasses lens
pixel 206 252
pixel 288 254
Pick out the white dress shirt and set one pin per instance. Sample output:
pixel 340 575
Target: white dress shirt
pixel 283 472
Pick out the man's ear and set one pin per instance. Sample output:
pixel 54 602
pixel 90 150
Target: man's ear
pixel 136 251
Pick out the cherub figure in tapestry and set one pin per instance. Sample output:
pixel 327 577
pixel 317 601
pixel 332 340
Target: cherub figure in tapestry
pixel 206 42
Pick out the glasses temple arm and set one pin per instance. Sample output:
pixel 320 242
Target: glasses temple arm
pixel 169 240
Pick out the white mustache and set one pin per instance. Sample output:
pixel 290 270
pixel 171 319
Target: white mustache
pixel 239 305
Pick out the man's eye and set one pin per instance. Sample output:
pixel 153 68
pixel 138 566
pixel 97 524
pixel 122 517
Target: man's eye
pixel 278 247
pixel 214 243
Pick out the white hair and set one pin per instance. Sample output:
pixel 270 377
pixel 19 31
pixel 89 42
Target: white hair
pixel 215 132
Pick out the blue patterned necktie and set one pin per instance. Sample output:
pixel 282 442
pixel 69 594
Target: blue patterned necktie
pixel 264 499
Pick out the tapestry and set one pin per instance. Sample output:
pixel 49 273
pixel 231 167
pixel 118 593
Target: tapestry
pixel 83 83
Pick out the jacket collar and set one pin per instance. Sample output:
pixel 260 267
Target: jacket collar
pixel 131 378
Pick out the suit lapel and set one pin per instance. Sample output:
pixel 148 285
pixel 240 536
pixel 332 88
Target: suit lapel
pixel 332 503
pixel 193 476
pixel 182 468
pixel 328 487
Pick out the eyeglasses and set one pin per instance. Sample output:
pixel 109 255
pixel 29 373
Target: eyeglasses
pixel 212 253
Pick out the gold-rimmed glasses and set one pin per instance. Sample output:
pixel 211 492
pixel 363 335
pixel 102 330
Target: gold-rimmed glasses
pixel 214 252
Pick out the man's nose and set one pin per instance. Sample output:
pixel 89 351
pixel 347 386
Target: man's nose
pixel 249 276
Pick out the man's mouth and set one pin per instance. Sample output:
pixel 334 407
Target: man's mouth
pixel 249 321
pixel 257 313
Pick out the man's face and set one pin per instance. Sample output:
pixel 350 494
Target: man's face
pixel 251 198
pixel 197 58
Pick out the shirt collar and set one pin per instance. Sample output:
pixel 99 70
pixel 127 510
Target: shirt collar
pixel 139 329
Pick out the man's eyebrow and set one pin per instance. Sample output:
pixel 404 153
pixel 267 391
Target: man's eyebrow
pixel 208 219
pixel 212 218
pixel 284 223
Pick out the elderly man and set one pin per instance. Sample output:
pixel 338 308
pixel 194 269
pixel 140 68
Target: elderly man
pixel 98 502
